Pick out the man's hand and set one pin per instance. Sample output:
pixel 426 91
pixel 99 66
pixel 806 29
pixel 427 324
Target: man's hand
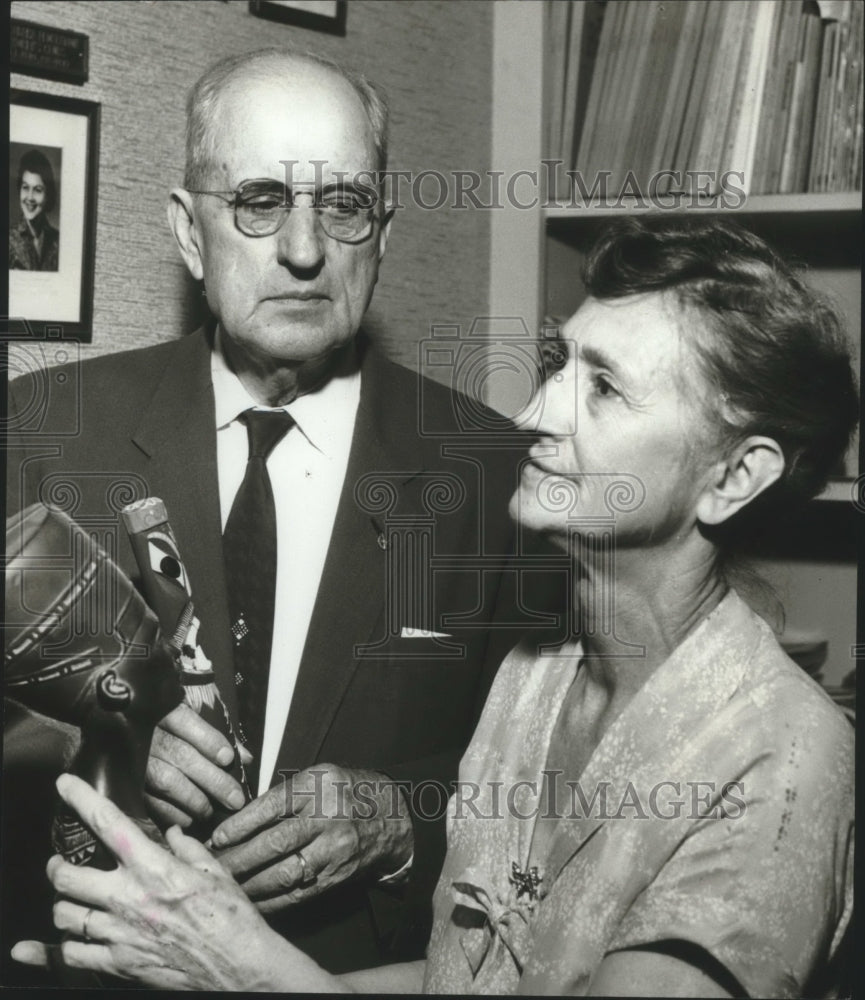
pixel 186 770
pixel 345 822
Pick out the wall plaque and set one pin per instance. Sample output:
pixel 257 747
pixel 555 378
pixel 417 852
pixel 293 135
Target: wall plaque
pixel 52 53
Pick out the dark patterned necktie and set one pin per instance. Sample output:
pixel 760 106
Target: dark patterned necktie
pixel 249 550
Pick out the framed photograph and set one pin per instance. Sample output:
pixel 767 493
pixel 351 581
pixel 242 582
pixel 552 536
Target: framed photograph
pixel 318 15
pixel 53 165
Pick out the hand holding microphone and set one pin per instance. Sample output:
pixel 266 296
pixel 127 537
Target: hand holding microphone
pixel 195 775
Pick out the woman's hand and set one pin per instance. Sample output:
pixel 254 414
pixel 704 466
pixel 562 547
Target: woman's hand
pixel 170 919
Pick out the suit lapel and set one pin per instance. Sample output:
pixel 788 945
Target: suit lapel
pixel 177 432
pixel 349 607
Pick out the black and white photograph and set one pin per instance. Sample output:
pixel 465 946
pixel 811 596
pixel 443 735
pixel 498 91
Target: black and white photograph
pixel 433 494
pixel 52 191
pixel 320 15
pixel 34 202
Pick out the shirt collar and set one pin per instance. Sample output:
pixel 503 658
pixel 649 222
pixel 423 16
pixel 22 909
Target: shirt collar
pixel 325 417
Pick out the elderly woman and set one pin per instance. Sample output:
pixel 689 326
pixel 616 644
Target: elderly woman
pixel 34 243
pixel 664 805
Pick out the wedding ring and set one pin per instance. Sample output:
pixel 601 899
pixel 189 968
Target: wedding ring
pixel 307 877
pixel 87 917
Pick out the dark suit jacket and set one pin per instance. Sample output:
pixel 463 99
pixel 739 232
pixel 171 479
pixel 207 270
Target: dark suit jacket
pixel 94 437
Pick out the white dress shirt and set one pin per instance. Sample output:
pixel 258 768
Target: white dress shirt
pixel 307 469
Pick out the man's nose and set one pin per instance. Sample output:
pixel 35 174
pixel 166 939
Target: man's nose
pixel 300 241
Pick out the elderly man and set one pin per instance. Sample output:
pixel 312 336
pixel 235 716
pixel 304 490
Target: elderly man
pixel 279 220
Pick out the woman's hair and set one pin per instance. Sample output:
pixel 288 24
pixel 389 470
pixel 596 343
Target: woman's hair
pixel 772 350
pixel 36 162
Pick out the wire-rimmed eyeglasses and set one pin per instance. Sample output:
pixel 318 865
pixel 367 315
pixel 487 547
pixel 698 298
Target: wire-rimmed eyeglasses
pixel 261 207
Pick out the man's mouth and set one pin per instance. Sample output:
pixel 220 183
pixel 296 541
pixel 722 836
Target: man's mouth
pixel 299 297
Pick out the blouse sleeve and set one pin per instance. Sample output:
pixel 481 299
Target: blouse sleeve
pixel 767 890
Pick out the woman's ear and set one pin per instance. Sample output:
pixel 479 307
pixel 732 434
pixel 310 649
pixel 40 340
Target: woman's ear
pixel 181 218
pixel 751 468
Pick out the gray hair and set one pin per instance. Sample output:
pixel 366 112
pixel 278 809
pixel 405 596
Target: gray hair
pixel 203 101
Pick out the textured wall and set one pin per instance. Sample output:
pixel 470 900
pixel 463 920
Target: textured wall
pixel 433 60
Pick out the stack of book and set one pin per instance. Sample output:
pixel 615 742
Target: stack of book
pixel 770 89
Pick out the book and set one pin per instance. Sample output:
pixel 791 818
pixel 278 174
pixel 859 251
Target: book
pixel 624 50
pixel 572 94
pixel 808 115
pixel 828 57
pixel 635 58
pixel 598 92
pixel 852 178
pixel 681 86
pixel 664 45
pixel 593 23
pixel 854 181
pixel 557 48
pixel 718 103
pixel 836 126
pixel 707 53
pixel 771 136
pixel 800 118
pixel 791 43
pixel 747 120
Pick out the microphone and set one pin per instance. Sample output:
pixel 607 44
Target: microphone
pixel 165 586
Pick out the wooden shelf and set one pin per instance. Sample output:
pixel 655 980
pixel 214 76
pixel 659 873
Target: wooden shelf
pixel 842 203
pixel 840 490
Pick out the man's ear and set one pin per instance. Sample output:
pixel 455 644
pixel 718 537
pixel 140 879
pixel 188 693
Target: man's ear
pixel 181 218
pixel 384 232
pixel 751 468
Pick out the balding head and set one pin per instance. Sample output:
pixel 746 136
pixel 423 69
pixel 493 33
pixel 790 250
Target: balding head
pixel 267 65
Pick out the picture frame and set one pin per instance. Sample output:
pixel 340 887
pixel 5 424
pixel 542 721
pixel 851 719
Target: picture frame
pixel 317 15
pixel 51 262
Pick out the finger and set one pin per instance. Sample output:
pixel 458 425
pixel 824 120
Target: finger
pixel 187 765
pixel 167 814
pixel 89 955
pixel 119 833
pixel 246 757
pixel 129 964
pixel 175 791
pixel 275 904
pixel 269 846
pixel 92 924
pixel 259 813
pixel 188 725
pixel 192 851
pixel 86 885
pixel 31 953
pixel 285 877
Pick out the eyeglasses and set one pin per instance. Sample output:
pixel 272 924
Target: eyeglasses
pixel 261 207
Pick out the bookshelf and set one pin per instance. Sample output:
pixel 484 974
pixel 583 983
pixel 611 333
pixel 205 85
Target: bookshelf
pixel 536 254
pixel 833 204
pixel 537 251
